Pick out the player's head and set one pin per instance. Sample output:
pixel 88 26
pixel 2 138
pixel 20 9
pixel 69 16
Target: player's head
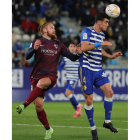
pixel 102 20
pixel 48 29
pixel 72 48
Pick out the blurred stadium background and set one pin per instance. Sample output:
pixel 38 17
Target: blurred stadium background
pixel 70 17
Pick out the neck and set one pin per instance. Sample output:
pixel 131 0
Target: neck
pixel 97 28
pixel 46 36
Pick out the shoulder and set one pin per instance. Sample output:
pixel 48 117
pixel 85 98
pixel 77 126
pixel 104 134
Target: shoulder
pixel 101 33
pixel 56 41
pixel 87 30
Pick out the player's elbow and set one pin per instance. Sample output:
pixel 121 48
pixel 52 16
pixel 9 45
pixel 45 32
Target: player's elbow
pixel 83 48
pixel 27 56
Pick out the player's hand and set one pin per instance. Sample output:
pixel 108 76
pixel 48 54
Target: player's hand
pixel 106 43
pixel 37 43
pixel 115 55
pixel 79 45
pixel 78 49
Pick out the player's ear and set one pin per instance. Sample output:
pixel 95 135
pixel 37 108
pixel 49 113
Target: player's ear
pixel 98 22
pixel 44 30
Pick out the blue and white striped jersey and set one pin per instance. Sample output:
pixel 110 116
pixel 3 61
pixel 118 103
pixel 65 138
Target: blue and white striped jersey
pixel 71 68
pixel 92 59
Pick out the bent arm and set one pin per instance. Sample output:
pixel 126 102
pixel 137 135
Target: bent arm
pixel 30 53
pixel 85 46
pixel 106 54
pixel 72 57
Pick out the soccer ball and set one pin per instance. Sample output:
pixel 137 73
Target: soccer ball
pixel 112 10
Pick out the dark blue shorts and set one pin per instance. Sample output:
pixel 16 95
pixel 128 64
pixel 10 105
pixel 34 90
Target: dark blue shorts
pixel 90 78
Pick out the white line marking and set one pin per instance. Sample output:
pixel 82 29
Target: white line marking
pixel 67 126
pixel 75 119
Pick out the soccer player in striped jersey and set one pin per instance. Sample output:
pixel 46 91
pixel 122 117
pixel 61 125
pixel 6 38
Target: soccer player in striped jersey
pixel 72 79
pixel 91 72
pixel 44 74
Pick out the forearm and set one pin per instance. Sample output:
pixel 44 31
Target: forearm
pixel 30 53
pixel 72 57
pixel 85 46
pixel 106 54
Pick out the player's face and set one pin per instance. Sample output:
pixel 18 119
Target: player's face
pixel 51 31
pixel 104 25
pixel 72 48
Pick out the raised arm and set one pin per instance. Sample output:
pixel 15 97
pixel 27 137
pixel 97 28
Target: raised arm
pixel 34 46
pixel 30 53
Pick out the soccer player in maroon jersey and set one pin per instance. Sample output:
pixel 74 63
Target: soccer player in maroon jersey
pixel 44 74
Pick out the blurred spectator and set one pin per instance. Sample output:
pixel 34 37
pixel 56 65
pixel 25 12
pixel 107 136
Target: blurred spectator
pixel 13 7
pixel 120 44
pixel 116 32
pixel 59 32
pixel 75 12
pixel 18 51
pixel 21 7
pixel 28 26
pixel 54 12
pixel 18 48
pixel 87 19
pixel 42 20
pixel 13 59
pixel 44 8
pixel 27 4
pixel 13 39
pixel 93 10
pixel 84 7
pixel 23 62
pixel 33 7
pixel 18 17
pixel 110 32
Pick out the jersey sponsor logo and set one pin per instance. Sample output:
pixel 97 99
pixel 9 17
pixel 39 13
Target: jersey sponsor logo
pixel 48 52
pixel 85 36
pixel 104 74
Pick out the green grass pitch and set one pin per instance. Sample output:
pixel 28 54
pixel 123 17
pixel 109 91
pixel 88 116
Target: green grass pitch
pixel 26 126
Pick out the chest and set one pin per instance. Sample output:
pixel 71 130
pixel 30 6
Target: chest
pixel 49 49
pixel 96 37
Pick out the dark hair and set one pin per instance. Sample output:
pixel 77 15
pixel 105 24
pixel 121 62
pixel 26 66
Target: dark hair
pixel 101 16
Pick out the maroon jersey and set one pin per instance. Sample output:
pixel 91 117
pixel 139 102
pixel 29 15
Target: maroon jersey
pixel 46 58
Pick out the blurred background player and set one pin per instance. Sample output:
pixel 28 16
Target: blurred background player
pixel 47 51
pixel 72 79
pixel 91 72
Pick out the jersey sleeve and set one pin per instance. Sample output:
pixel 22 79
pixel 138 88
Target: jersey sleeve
pixel 85 35
pixel 32 44
pixel 63 49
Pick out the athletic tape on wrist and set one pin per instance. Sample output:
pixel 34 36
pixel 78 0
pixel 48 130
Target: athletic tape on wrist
pixel 97 44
